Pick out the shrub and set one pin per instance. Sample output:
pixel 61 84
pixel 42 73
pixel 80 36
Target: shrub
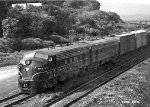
pixel 59 39
pixel 10 58
pixel 10 28
pixel 9 45
pixel 34 43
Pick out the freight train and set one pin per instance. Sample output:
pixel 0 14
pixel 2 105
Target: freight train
pixel 45 68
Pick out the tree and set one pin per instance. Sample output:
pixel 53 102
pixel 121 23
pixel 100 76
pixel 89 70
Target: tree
pixel 10 28
pixel 114 17
pixel 3 13
pixel 59 39
pixel 83 4
pixel 54 2
pixel 65 18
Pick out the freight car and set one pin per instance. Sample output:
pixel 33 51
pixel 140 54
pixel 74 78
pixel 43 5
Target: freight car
pixel 46 67
pixel 127 43
pixel 140 38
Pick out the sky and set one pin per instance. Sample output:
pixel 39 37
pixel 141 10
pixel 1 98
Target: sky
pixel 127 1
pixel 126 7
pixel 136 9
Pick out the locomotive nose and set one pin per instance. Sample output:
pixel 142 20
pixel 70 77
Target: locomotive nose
pixel 27 67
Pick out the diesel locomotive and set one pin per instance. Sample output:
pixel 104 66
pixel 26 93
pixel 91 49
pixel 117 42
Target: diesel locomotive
pixel 46 67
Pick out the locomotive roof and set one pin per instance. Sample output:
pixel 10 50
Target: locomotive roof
pixel 125 34
pixel 76 48
pixel 59 49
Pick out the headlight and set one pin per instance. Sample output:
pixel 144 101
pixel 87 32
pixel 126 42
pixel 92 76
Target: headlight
pixel 27 69
pixel 28 62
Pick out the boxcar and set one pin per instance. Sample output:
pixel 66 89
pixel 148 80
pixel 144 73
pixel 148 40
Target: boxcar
pixel 127 43
pixel 144 38
pixel 132 42
pixel 141 38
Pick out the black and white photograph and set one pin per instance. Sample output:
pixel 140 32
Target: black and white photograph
pixel 74 53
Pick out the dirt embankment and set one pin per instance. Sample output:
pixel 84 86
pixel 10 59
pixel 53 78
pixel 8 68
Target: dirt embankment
pixel 8 80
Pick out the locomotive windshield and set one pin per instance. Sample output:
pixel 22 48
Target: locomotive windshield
pixel 42 56
pixel 36 55
pixel 29 55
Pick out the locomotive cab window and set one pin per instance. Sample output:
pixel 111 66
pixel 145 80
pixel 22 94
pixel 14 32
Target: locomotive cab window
pixel 50 59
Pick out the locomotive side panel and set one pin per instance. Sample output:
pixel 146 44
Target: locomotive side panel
pixel 110 49
pixel 100 54
pixel 72 61
pixel 87 58
pixel 69 67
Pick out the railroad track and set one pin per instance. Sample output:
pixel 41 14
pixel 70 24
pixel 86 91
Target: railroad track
pixel 71 97
pixel 10 97
pixel 14 99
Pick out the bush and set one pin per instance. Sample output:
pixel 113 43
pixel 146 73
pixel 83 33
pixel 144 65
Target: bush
pixel 58 39
pixel 10 28
pixel 34 43
pixel 11 58
pixel 9 45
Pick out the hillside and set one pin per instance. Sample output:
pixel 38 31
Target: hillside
pixel 69 20
pixel 135 17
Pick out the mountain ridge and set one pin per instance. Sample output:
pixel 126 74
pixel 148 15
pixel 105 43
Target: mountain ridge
pixel 135 17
